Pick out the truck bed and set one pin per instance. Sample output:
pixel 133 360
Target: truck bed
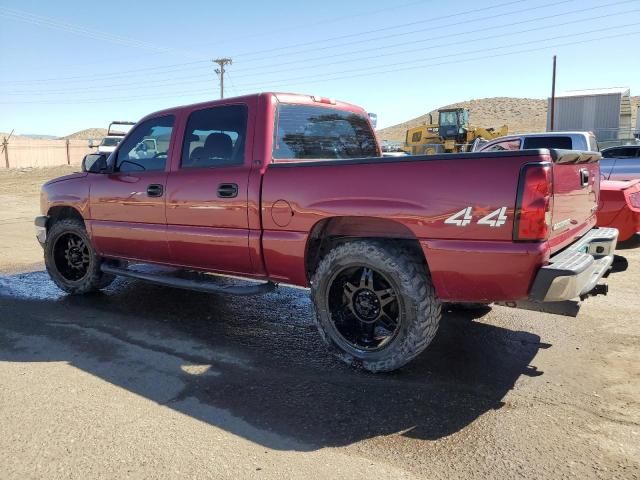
pixel 419 197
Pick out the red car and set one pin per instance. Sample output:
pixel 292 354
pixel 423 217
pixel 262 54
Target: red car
pixel 292 189
pixel 620 207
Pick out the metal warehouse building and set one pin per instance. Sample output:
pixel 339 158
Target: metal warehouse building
pixel 604 111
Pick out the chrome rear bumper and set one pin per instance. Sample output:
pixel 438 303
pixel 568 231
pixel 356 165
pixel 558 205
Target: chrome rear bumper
pixel 575 271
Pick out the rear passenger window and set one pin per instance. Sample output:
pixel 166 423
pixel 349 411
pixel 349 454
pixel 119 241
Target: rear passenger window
pixel 611 153
pixel 215 137
pixel 563 143
pixel 621 153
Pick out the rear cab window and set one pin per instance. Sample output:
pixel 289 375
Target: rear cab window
pixel 314 132
pixel 552 141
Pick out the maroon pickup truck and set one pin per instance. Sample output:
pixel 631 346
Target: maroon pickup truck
pixel 284 188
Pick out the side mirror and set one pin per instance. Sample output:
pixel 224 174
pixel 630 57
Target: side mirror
pixel 95 163
pixel 90 141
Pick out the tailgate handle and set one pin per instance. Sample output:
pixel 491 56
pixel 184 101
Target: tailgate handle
pixel 584 177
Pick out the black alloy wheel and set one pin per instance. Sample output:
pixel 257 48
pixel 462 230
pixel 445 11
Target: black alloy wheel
pixel 363 304
pixel 71 256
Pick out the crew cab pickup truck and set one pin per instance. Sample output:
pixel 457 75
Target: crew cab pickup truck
pixel 285 188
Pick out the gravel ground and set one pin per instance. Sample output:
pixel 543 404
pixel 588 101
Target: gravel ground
pixel 148 382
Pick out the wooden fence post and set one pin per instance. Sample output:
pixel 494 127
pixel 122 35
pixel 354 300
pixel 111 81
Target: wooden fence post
pixel 5 148
pixel 68 155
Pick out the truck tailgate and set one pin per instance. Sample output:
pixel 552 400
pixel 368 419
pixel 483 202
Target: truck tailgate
pixel 576 181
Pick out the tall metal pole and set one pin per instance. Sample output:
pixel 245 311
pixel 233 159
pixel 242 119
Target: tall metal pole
pixel 553 97
pixel 220 71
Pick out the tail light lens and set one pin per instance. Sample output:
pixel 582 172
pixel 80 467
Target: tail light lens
pixel 634 199
pixel 534 203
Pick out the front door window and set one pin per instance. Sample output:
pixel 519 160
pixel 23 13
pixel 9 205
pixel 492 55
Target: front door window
pixel 147 148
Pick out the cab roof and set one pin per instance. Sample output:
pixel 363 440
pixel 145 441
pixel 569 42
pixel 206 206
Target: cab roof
pixel 278 96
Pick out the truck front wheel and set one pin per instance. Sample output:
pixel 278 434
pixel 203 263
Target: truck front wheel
pixel 375 304
pixel 72 262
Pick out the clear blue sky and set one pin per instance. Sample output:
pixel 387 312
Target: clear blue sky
pixel 70 65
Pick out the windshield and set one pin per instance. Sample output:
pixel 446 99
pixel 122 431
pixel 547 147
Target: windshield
pixel 110 141
pixel 448 118
pixel 305 132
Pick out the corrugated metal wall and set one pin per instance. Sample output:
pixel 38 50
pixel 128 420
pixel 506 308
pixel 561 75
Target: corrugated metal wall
pixel 597 113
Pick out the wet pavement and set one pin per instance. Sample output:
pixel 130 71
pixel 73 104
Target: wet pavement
pixel 266 351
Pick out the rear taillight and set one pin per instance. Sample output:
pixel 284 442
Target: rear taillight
pixel 634 199
pixel 534 203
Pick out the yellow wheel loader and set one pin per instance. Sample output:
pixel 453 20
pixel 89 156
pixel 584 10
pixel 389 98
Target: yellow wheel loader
pixel 452 134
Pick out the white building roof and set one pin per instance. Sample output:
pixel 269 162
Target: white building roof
pixel 624 91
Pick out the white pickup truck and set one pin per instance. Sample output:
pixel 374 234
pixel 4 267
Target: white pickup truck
pixel 114 136
pixel 583 141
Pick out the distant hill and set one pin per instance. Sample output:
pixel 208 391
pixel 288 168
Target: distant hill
pixel 32 136
pixel 520 114
pixel 6 134
pixel 94 133
pixel 36 136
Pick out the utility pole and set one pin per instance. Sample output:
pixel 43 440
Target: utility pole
pixel 220 71
pixel 553 97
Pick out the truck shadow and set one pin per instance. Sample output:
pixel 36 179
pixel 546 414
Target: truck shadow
pixel 256 366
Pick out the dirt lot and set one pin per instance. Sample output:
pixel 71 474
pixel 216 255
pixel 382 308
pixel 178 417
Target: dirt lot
pixel 145 381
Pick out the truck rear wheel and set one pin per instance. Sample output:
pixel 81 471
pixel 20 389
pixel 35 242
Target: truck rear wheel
pixel 72 262
pixel 375 304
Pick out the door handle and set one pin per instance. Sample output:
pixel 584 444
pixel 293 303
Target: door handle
pixel 155 190
pixel 584 177
pixel 228 190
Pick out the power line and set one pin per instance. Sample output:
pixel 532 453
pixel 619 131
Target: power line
pixel 270 33
pixel 468 52
pixel 124 73
pixel 457 61
pixel 41 20
pixel 403 25
pixel 447 55
pixel 465 40
pixel 190 77
pixel 333 19
pixel 324 79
